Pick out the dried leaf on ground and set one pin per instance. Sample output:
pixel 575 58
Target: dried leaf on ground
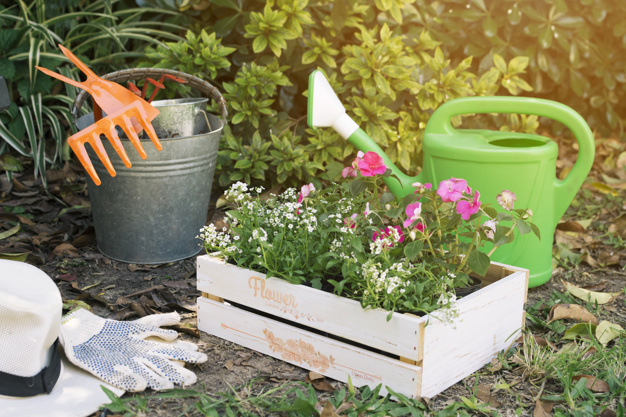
pixel 495 365
pixel 142 268
pixel 594 384
pixel 572 312
pixel 320 384
pixel 543 408
pixel 571 226
pixel 592 296
pixel 182 285
pixel 20 257
pixel 573 240
pixel 604 188
pixel 66 249
pixel 314 376
pixel 618 226
pixel 484 394
pixel 607 331
pixel 607 412
pixel 540 341
pixel 329 410
pixel 345 407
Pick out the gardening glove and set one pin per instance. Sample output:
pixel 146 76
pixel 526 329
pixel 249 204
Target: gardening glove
pixel 124 354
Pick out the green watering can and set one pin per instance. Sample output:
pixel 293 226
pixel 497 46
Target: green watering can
pixel 490 161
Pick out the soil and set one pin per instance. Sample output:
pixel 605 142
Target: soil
pixel 61 242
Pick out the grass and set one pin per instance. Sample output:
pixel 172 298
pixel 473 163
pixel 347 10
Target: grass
pixel 557 373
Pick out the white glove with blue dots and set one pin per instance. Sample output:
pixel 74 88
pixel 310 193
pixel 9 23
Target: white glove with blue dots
pixel 127 354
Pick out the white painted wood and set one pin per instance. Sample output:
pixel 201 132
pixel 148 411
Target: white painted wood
pixel 326 356
pixel 491 322
pixel 310 307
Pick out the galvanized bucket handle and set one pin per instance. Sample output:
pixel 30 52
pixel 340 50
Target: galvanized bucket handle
pixel 131 74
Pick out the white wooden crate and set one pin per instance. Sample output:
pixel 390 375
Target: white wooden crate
pixel 415 356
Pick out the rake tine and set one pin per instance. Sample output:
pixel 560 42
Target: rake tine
pixel 147 126
pixel 124 121
pixel 83 157
pixel 115 141
pixel 132 87
pixel 98 147
pixel 157 85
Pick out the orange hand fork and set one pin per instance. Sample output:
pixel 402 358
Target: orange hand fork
pixel 123 108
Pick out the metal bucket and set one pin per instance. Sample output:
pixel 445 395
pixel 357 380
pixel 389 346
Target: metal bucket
pixel 151 213
pixel 179 117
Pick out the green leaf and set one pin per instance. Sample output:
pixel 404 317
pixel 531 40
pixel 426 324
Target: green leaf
pixel 13 141
pixel 413 249
pixel 490 211
pixel 478 262
pixel 580 331
pixel 259 44
pixel 535 230
pixel 386 198
pixel 19 257
pixel 7 68
pixel 300 406
pixel 523 227
pixel 10 232
pixel 357 186
pixel 499 63
pixel 243 164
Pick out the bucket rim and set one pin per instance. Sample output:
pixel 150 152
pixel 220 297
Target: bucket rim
pixel 179 101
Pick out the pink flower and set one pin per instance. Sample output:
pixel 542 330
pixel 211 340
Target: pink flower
pixel 506 199
pixel 372 164
pixel 350 221
pixel 413 211
pixel 452 189
pixel 491 225
pixel 367 209
pixel 305 191
pixel 420 188
pixel 351 171
pixel 466 208
pixel 387 232
pixel 348 172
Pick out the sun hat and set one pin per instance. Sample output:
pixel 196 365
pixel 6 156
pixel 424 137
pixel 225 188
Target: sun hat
pixel 35 377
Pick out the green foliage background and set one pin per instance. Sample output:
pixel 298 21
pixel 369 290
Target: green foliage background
pixel 380 57
pixel 392 62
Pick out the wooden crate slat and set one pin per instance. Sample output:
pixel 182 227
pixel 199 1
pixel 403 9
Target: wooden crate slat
pixel 431 355
pixel 326 356
pixel 491 322
pixel 310 307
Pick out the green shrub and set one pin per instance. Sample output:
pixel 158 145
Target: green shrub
pixel 104 34
pixel 389 72
pixel 576 49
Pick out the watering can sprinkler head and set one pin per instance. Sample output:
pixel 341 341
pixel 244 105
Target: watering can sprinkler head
pixel 325 108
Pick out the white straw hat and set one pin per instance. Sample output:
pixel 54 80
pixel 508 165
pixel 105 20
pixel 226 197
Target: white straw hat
pixel 35 378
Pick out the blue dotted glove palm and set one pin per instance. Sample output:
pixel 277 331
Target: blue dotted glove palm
pixel 130 355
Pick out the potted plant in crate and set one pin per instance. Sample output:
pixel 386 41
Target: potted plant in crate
pixel 354 239
pixel 381 279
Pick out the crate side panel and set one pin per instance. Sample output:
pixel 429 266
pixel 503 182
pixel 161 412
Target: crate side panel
pixel 310 307
pixel 491 321
pixel 299 347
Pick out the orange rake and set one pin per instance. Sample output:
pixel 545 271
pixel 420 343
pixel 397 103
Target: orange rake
pixel 106 126
pixel 123 108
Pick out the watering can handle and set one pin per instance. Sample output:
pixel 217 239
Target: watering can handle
pixel 564 190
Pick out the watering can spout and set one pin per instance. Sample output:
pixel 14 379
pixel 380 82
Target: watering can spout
pixel 325 110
